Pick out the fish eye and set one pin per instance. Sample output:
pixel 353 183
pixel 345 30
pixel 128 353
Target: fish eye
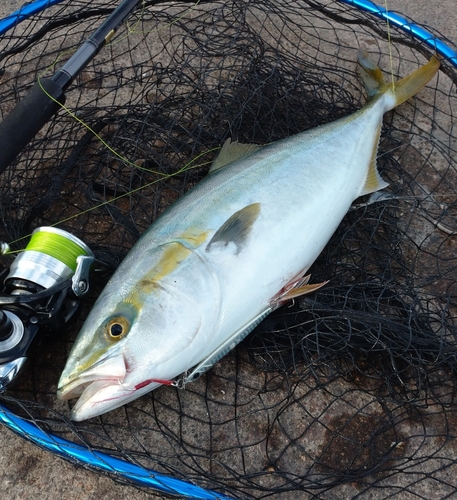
pixel 117 328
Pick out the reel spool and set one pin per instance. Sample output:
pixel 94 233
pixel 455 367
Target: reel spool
pixel 40 291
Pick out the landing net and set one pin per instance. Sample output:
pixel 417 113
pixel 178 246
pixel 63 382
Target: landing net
pixel 346 393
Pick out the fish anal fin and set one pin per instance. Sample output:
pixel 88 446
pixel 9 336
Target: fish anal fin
pixel 237 228
pixel 230 152
pixel 296 288
pixel 373 181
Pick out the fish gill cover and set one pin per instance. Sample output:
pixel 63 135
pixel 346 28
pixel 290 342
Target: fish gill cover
pixel 348 391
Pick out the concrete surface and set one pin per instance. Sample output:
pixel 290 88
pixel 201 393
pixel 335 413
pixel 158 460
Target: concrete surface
pixel 27 472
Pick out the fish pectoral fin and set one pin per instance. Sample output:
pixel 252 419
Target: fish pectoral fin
pixel 230 152
pixel 373 181
pixel 296 288
pixel 237 228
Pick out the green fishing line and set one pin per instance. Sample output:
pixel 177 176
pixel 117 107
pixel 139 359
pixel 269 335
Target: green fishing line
pixel 57 246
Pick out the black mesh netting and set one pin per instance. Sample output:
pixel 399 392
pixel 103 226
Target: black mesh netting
pixel 350 392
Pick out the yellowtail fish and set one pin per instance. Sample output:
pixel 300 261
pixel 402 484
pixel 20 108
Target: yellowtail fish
pixel 226 254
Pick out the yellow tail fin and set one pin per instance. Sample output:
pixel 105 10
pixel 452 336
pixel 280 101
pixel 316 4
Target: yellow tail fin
pixel 408 86
pixel 405 88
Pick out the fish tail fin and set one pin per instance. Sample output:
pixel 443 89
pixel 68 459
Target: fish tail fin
pixel 408 86
pixel 394 94
pixel 374 82
pixel 372 77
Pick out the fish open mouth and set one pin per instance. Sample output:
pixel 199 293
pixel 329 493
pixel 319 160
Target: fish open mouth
pixel 101 387
pixel 106 372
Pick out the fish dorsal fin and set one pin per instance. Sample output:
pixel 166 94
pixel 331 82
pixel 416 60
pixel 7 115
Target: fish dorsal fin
pixel 373 181
pixel 236 229
pixel 230 152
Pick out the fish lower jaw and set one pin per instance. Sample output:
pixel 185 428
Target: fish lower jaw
pixel 77 388
pixel 103 396
pixel 98 397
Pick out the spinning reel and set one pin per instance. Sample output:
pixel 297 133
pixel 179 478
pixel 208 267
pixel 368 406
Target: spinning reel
pixel 40 294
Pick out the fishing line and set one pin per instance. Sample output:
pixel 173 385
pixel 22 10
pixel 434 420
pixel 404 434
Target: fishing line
pixel 47 247
pixel 51 257
pixel 180 171
pixel 5 247
pixel 118 155
pixel 35 110
pixel 188 166
pixel 389 43
pixel 72 115
pixel 57 244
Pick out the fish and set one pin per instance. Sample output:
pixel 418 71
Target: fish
pixel 235 247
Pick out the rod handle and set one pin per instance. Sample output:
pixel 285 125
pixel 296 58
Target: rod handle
pixel 27 118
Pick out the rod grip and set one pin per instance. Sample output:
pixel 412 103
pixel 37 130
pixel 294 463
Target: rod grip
pixel 27 118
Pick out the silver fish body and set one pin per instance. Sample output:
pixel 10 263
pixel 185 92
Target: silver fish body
pixel 224 255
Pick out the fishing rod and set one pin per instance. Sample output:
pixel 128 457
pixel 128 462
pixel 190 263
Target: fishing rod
pixel 47 95
pixel 42 290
